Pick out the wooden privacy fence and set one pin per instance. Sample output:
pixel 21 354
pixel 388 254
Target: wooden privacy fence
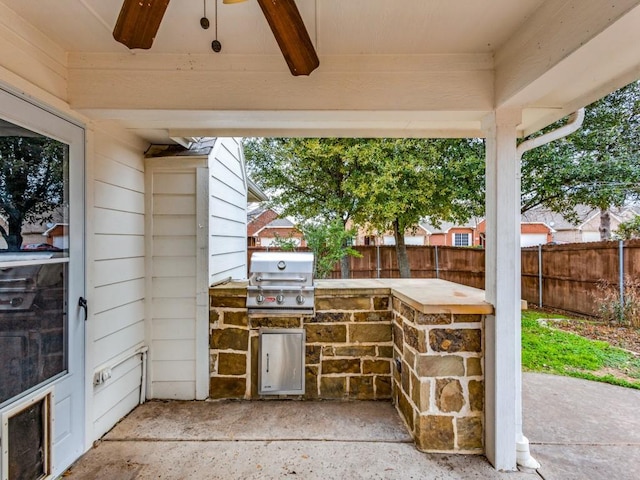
pixel 573 277
pixel 566 277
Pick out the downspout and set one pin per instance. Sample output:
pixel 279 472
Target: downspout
pixel 523 454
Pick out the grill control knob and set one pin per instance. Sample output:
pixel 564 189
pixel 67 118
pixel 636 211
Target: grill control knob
pixel 259 299
pixel 299 299
pixel 280 299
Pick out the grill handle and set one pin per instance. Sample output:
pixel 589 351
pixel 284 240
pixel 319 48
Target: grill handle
pixel 281 279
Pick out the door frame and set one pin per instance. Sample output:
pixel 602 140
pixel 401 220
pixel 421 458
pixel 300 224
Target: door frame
pixel 20 110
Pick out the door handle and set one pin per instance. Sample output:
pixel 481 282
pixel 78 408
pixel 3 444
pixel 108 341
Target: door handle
pixel 82 303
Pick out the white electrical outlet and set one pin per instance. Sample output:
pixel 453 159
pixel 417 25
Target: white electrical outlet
pixel 102 376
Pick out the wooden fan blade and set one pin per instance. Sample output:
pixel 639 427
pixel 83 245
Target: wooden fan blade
pixel 138 22
pixel 291 34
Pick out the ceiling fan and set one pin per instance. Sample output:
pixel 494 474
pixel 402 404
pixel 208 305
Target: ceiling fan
pixel 139 21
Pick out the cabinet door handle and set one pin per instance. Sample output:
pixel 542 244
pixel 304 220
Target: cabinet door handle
pixel 267 363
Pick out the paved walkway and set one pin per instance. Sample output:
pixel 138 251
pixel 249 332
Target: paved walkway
pixel 578 430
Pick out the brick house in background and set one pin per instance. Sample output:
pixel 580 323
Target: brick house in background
pixel 586 229
pixel 447 234
pixel 453 235
pixel 470 234
pixel 264 226
pixel 368 237
pixel 257 219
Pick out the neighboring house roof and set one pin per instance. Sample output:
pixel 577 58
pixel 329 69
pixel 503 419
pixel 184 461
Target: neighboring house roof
pixel 277 223
pixel 558 223
pixel 58 228
pixel 258 218
pixel 280 222
pixel 629 213
pixel 254 213
pixel 446 226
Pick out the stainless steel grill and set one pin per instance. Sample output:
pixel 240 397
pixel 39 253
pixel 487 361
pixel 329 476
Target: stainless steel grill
pixel 281 282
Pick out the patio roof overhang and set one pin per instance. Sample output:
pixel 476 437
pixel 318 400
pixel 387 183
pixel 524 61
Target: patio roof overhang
pixel 499 68
pixel 420 69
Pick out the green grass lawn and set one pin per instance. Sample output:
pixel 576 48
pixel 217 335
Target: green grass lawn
pixel 549 350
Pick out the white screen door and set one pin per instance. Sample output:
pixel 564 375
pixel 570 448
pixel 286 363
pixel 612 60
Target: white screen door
pixel 41 277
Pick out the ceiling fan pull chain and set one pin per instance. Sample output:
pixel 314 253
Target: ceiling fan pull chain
pixel 204 21
pixel 216 46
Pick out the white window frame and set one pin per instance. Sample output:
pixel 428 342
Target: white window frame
pixel 455 237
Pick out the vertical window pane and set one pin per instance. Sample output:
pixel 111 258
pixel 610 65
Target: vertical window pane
pixel 461 239
pixel 33 205
pixel 34 245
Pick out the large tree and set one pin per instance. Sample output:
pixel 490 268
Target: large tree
pixel 402 181
pixel 598 166
pixel 31 183
pixel 389 184
pixel 306 177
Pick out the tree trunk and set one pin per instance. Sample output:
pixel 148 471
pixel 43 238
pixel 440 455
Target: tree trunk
pixel 14 237
pixel 401 251
pixel 345 267
pixel 345 261
pixel 605 224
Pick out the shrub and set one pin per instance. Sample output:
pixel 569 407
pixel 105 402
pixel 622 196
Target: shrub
pixel 328 241
pixel 609 307
pixel 286 244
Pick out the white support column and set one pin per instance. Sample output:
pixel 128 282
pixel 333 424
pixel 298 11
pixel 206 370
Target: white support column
pixel 502 285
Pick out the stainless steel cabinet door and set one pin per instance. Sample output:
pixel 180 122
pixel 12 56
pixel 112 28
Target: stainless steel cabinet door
pixel 281 362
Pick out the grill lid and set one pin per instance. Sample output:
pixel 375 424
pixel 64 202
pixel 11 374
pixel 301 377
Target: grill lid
pixel 281 269
pixel 282 263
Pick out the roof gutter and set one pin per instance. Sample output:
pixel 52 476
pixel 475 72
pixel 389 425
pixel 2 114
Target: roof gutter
pixel 574 123
pixel 523 454
pixel 254 192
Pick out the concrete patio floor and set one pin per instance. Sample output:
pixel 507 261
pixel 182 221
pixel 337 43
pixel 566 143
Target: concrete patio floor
pixel 578 430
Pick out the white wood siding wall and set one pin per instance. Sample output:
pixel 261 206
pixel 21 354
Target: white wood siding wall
pixel 172 253
pixel 227 211
pixel 116 246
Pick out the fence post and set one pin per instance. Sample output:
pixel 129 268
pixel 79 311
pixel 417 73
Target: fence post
pixel 621 279
pixel 437 267
pixel 540 276
pixel 378 260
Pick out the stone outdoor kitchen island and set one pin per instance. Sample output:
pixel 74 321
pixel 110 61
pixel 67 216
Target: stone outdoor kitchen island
pixel 417 342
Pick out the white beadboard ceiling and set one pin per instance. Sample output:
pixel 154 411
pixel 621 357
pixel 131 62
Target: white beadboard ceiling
pixel 336 27
pixel 387 67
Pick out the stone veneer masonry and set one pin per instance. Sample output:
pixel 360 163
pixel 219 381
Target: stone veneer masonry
pixel 365 344
pixel 349 345
pixel 439 387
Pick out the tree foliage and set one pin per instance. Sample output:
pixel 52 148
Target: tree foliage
pixel 598 166
pixel 286 244
pixel 629 230
pixel 401 181
pixel 389 184
pixel 31 183
pixel 328 242
pixel 305 177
